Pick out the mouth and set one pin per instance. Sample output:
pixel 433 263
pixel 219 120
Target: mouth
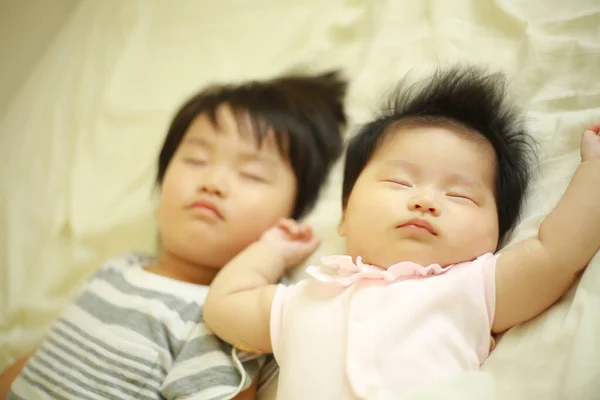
pixel 206 207
pixel 419 224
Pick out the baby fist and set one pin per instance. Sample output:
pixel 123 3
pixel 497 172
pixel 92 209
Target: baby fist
pixel 294 242
pixel 590 143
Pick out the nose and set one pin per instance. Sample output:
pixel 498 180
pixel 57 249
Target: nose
pixel 424 204
pixel 214 182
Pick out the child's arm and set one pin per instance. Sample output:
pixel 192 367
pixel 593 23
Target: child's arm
pixel 11 373
pixel 238 305
pixel 533 274
pixel 248 394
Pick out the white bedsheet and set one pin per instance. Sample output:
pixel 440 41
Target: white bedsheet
pixel 79 141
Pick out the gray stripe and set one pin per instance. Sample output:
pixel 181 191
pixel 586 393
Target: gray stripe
pixel 188 311
pixel 244 356
pixel 145 325
pixel 202 345
pixel 53 383
pixel 143 373
pixel 194 383
pixel 269 372
pixel 135 259
pixel 82 385
pixel 116 378
pixel 252 369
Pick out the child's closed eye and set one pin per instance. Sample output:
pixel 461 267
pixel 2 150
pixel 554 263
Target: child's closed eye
pixel 254 177
pixel 194 161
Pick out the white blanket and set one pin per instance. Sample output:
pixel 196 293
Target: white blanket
pixel 79 140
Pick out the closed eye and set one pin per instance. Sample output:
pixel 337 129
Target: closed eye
pixel 253 177
pixel 194 161
pixel 460 197
pixel 399 182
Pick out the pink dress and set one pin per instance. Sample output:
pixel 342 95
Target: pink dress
pixel 367 330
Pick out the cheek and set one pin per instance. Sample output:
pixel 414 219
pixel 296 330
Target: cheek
pixel 260 209
pixel 167 193
pixel 477 230
pixel 368 208
pixel 164 208
pixel 377 201
pixel 174 192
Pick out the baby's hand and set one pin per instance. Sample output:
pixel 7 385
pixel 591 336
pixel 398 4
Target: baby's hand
pixel 295 242
pixel 590 143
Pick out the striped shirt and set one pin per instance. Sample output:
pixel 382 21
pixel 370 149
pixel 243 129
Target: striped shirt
pixel 132 334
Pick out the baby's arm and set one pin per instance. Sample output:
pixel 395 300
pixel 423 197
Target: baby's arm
pixel 238 305
pixel 533 274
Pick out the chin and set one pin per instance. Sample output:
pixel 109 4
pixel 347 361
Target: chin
pixel 419 253
pixel 201 257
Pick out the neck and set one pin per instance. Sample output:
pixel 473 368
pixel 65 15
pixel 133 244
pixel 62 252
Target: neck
pixel 175 267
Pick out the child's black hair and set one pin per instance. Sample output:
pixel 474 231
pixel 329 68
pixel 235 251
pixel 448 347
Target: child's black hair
pixel 305 112
pixel 463 97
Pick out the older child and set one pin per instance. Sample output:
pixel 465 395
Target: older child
pixel 235 161
pixel 430 189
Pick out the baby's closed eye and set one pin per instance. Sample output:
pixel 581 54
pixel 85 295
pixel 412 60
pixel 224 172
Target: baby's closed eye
pixel 461 197
pixel 399 182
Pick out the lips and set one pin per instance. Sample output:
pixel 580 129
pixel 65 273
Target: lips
pixel 207 207
pixel 419 224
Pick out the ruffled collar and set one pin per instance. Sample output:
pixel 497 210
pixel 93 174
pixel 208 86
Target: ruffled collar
pixel 349 272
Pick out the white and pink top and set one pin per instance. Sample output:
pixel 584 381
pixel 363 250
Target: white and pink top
pixel 368 330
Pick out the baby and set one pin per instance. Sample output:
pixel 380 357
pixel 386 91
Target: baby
pixel 431 187
pixel 235 161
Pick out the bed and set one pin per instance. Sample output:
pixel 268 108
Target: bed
pixel 80 134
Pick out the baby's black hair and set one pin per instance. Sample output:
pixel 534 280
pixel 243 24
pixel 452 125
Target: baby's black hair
pixel 464 97
pixel 306 113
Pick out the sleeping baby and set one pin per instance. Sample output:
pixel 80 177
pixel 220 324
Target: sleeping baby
pixel 431 187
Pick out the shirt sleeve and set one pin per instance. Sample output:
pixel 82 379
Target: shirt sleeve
pixel 208 368
pixel 268 372
pixel 489 285
pixel 282 295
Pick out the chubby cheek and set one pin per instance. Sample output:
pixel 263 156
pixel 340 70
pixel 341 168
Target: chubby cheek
pixel 362 222
pixel 376 209
pixel 478 236
pixel 170 195
pixel 165 214
pixel 257 214
pixel 177 187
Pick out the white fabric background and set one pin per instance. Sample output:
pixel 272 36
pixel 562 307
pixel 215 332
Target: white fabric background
pixel 79 139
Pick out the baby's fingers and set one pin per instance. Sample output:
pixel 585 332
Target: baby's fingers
pixel 590 145
pixel 594 127
pixel 312 244
pixel 305 232
pixel 290 226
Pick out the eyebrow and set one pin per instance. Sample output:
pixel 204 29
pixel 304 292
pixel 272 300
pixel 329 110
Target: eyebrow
pixel 198 141
pixel 397 162
pixel 255 157
pixel 450 177
pixel 454 178
pixel 246 156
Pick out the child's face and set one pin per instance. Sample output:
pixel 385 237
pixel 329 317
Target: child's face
pixel 432 175
pixel 218 167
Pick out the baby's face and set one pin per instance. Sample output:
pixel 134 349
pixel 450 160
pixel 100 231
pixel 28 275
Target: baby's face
pixel 427 196
pixel 221 191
